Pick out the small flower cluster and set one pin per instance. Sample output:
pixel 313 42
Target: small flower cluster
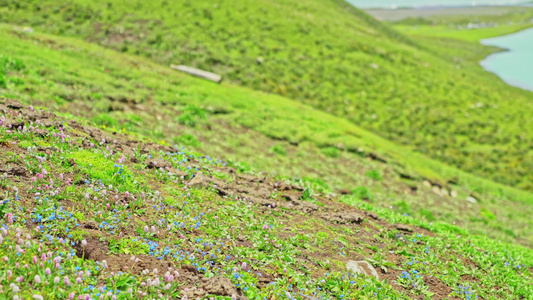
pixel 465 292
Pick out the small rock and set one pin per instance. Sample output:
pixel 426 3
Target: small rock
pixel 189 268
pixel 353 217
pixel 198 180
pixel 282 186
pixel 156 164
pixel 17 171
pixel 471 199
pixel 222 286
pixel 344 192
pixel 91 225
pixel 436 190
pixel 475 196
pixel 361 267
pixel 347 217
pixel 373 215
pixel 13 104
pixel 403 227
pixel 47 123
pixel 17 124
pixel 292 197
pixel 453 193
pixel 297 188
pixel 307 207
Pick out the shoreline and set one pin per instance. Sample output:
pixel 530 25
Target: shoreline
pixel 485 63
pixel 484 32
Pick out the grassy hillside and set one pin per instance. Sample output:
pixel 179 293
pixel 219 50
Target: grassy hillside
pixel 123 179
pixel 460 18
pixel 471 25
pixel 447 31
pixel 263 133
pixel 153 221
pixel 325 54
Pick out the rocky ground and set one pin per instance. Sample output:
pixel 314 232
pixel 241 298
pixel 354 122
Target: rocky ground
pixel 93 214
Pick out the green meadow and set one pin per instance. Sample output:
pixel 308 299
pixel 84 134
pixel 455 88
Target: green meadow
pixel 333 138
pixel 325 54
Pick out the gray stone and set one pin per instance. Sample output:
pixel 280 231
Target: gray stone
pixel 403 227
pixel 471 199
pixel 453 193
pixel 373 215
pixel 198 73
pixel 436 190
pixel 199 180
pixel 344 217
pixel 361 267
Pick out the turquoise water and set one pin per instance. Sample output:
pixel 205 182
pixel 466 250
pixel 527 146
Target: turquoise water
pixel 426 3
pixel 516 65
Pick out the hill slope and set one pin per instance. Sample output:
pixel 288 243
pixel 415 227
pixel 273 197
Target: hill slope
pixel 326 54
pixel 156 221
pixel 263 133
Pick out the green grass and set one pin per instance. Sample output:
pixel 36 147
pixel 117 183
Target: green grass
pixel 95 166
pixel 488 18
pixel 104 119
pixel 8 65
pixel 326 54
pixel 468 27
pixel 165 221
pixel 248 127
pixel 451 31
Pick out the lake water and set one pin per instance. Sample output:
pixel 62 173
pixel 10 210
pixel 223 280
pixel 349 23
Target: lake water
pixel 516 65
pixel 429 3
